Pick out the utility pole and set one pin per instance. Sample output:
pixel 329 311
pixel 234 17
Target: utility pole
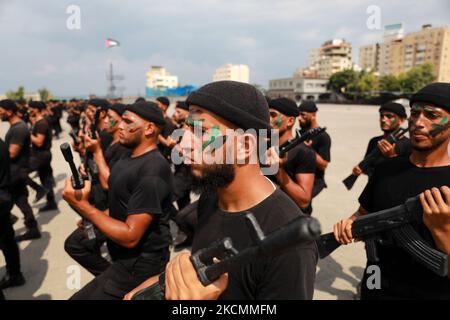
pixel 111 86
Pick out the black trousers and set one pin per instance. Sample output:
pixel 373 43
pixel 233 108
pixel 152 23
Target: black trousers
pixel 186 219
pixel 41 162
pixel 87 252
pixel 20 198
pixel 58 128
pixel 122 277
pixel 7 243
pixel 182 186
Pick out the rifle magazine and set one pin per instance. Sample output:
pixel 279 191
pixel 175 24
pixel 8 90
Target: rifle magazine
pixel 413 243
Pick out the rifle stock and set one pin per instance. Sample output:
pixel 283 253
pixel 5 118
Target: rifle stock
pixel 349 182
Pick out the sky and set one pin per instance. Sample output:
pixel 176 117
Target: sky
pixel 190 38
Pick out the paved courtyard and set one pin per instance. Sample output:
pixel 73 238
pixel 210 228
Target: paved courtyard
pixel 50 272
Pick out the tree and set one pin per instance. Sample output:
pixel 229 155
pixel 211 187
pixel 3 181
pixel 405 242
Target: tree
pixel 341 81
pixel 390 83
pixel 365 84
pixel 417 78
pixel 45 94
pixel 16 95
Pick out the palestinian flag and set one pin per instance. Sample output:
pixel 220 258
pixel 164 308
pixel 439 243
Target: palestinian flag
pixel 110 43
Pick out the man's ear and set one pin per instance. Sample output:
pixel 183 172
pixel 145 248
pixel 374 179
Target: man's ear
pixel 150 129
pixel 246 148
pixel 290 122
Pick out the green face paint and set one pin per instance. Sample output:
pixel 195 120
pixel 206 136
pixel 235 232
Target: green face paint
pixel 440 127
pixel 215 132
pixel 112 123
pixel 443 121
pixel 131 126
pixel 191 122
pixel 394 122
pixel 278 122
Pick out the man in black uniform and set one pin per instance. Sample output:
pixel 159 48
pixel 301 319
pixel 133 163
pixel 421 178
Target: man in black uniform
pixel 321 143
pixel 186 215
pixel 74 112
pixel 165 144
pixel 93 124
pixel 140 196
pixel 78 245
pixel 182 176
pixel 41 156
pixel 22 110
pixel 228 191
pixel 296 169
pixel 96 111
pixel 55 110
pixel 13 276
pixel 425 172
pixel 18 141
pixel 392 116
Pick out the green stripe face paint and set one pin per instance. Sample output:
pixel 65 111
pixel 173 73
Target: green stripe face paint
pixel 112 123
pixel 191 122
pixel 132 126
pixel 443 121
pixel 278 121
pixel 215 132
pixel 440 127
pixel 394 122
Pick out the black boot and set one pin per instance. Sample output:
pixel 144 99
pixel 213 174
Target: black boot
pixel 40 193
pixel 30 234
pixel 14 219
pixel 49 207
pixel 12 281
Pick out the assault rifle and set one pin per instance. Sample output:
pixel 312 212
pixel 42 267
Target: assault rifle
pixel 77 184
pixel 396 222
pixel 300 230
pixel 292 143
pixel 373 156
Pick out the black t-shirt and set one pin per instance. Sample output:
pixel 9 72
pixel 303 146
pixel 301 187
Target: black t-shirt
pixel 402 148
pixel 394 181
pixel 23 113
pixel 289 275
pixel 169 127
pixel 58 110
pixel 301 159
pixel 138 185
pixel 42 127
pixel 105 140
pixel 74 118
pixel 321 144
pixel 115 152
pixel 19 134
pixel 4 167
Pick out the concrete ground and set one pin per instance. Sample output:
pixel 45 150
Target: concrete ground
pixel 52 274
